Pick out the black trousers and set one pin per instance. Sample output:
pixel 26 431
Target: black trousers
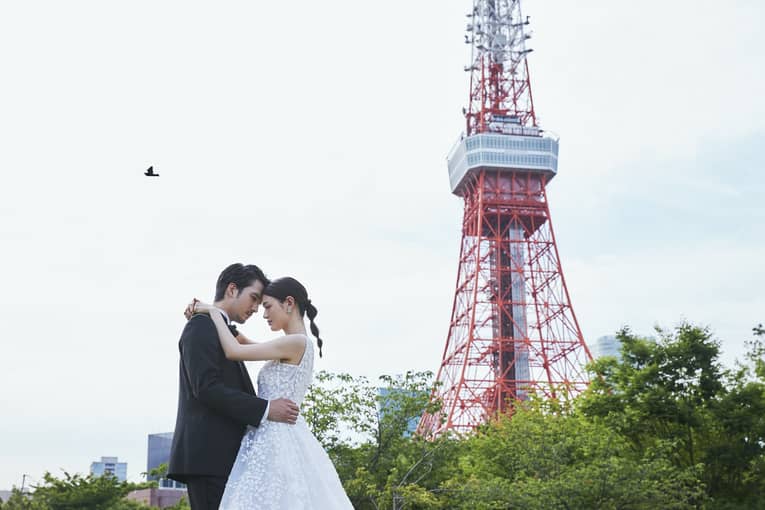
pixel 205 492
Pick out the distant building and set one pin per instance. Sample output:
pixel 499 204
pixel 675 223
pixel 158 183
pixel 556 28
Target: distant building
pixel 387 403
pixel 110 465
pixel 5 495
pixel 607 345
pixel 159 453
pixel 157 496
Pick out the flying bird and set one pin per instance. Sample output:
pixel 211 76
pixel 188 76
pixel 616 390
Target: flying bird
pixel 150 172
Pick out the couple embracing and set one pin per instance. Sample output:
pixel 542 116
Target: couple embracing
pixel 236 449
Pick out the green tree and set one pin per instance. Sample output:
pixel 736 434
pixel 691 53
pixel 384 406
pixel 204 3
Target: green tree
pixel 736 448
pixel 673 393
pixel 756 354
pixel 365 429
pixel 21 501
pixel 158 472
pixel 77 492
pixel 547 457
pixel 339 408
pixel 660 390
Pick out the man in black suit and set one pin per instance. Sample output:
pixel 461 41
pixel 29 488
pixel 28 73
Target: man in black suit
pixel 216 400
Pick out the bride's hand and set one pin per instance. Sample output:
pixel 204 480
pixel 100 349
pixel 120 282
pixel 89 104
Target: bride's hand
pixel 196 306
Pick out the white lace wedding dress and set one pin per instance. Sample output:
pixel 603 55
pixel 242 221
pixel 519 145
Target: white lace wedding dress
pixel 280 466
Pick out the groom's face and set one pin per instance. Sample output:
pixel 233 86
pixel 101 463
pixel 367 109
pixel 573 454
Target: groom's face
pixel 246 302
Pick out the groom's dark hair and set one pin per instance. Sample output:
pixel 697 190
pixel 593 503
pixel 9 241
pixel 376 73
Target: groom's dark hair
pixel 240 275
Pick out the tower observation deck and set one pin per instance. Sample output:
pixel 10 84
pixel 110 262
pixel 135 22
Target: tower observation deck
pixel 513 331
pixel 521 148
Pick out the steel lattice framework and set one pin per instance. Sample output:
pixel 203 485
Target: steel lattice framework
pixel 513 331
pixel 499 73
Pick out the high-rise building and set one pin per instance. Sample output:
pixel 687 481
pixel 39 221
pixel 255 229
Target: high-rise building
pixel 159 446
pixel 607 345
pixel 111 466
pixel 389 402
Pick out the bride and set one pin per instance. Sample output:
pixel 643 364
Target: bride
pixel 279 466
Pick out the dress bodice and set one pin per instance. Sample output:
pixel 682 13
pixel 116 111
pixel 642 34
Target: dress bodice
pixel 283 380
pixel 281 466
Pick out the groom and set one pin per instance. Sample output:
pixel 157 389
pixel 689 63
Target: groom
pixel 216 400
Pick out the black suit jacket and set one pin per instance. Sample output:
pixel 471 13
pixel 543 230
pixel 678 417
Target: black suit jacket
pixel 216 402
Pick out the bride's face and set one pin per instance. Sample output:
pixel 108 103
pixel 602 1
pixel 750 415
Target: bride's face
pixel 275 313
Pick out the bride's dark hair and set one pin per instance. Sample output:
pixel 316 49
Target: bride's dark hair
pixel 288 286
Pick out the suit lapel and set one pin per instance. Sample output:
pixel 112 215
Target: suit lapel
pixel 245 377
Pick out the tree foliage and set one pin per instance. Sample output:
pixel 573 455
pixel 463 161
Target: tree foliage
pixel 76 492
pixel 549 457
pixel 674 393
pixel 664 427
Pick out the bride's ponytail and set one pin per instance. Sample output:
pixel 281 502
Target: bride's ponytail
pixel 311 312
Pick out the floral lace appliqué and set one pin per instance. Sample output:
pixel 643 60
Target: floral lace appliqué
pixel 282 466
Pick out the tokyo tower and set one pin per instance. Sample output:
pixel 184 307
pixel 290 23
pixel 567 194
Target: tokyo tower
pixel 513 332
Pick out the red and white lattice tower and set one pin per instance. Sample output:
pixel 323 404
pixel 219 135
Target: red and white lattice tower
pixel 513 331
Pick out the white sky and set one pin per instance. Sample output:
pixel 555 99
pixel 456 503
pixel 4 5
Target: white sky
pixel 310 138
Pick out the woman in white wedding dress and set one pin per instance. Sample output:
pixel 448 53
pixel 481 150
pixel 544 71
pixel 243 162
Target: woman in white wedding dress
pixel 280 466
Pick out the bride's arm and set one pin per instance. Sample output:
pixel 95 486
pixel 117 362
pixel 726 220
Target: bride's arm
pixel 285 347
pixel 242 339
pixel 191 309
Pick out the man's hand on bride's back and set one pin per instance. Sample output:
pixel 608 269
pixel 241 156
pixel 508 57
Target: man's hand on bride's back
pixel 283 410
